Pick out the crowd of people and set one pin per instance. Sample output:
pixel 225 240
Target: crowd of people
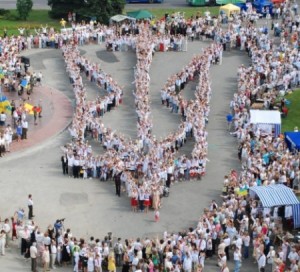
pixel 15 78
pixel 137 165
pixel 167 36
pixel 229 230
pixel 239 228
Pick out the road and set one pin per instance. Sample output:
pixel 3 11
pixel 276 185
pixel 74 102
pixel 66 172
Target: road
pixel 43 4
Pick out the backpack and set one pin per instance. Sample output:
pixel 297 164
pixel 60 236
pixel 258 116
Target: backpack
pixel 118 249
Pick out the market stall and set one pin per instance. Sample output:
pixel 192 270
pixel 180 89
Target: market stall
pixel 120 18
pixel 278 195
pixel 292 140
pixel 267 121
pixel 230 9
pixel 140 14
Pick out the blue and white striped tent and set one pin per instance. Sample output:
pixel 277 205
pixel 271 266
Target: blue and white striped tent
pixel 296 215
pixel 274 195
pixel 267 120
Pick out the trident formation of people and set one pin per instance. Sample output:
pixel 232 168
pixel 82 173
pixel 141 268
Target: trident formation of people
pixel 236 227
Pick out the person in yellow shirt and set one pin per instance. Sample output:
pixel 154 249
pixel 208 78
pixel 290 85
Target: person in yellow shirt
pixel 111 263
pixel 63 22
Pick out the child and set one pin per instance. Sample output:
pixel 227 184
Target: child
pixel 156 215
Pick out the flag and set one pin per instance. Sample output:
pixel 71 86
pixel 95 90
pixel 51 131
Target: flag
pixel 243 192
pixel 5 106
pixel 28 108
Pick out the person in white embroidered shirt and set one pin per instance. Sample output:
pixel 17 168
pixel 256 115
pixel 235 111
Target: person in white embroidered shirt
pixel 261 262
pixel 30 207
pixel 293 255
pixel 224 268
pixel 53 254
pixel 98 262
pixel 33 256
pixel 237 257
pixel 187 263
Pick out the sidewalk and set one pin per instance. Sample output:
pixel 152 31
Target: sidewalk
pixel 56 116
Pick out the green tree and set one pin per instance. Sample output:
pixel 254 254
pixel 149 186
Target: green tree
pixel 24 7
pixel 102 10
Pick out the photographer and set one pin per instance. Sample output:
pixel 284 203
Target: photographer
pixel 58 225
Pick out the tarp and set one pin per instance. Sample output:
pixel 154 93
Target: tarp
pixel 120 17
pixel 266 120
pixel 274 195
pixel 292 140
pixel 140 14
pixel 230 9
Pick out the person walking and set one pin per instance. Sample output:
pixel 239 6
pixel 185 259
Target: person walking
pixel 33 256
pixel 30 207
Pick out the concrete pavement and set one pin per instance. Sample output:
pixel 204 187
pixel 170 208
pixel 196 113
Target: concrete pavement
pixel 89 206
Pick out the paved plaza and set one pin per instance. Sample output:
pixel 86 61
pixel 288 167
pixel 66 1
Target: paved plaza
pixel 90 206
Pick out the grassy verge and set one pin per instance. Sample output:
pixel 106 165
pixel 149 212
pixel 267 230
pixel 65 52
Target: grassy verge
pixel 293 118
pixel 35 20
pixel 188 11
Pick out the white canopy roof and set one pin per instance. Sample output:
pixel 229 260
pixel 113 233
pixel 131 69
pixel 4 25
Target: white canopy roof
pixel 120 17
pixel 265 117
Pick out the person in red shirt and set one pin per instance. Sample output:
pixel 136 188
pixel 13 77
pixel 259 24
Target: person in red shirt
pixel 285 111
pixel 264 229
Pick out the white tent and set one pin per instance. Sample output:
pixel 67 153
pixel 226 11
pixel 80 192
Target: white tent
pixel 120 17
pixel 267 120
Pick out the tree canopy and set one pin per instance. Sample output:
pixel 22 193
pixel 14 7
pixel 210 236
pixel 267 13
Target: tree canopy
pixel 102 10
pixel 24 7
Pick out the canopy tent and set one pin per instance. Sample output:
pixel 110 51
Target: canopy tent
pixel 268 121
pixel 225 2
pixel 296 215
pixel 140 14
pixel 120 17
pixel 274 195
pixel 292 140
pixel 230 9
pixel 259 5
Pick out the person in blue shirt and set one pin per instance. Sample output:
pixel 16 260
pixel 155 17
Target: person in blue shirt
pixel 229 118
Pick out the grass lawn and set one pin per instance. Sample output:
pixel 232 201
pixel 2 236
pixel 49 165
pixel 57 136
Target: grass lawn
pixel 35 20
pixel 188 11
pixel 293 118
pixel 40 17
